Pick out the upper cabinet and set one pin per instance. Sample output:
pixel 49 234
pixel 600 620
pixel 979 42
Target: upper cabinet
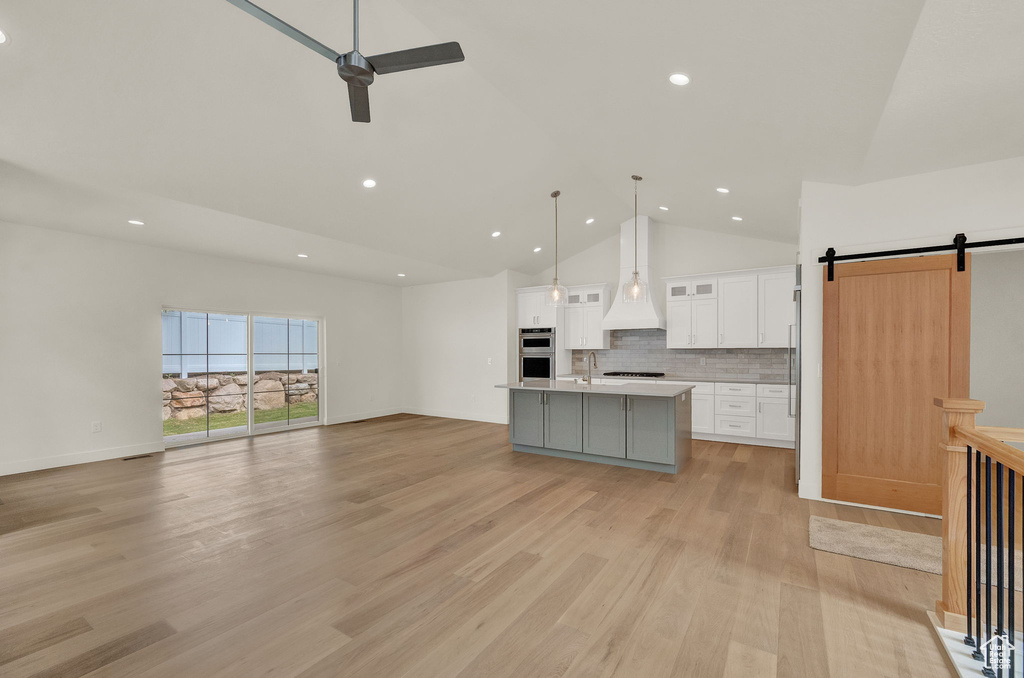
pixel 584 315
pixel 776 309
pixel 746 309
pixel 692 313
pixel 737 311
pixel 531 311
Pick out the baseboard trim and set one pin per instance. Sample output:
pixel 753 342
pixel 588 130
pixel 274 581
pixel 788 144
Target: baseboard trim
pixel 373 414
pixel 8 468
pixel 452 414
pixel 744 440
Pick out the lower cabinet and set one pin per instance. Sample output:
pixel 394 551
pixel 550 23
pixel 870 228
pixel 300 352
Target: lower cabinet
pixel 630 427
pixel 547 419
pixel 703 413
pixel 651 429
pixel 563 421
pixel 604 425
pixel 773 420
pixel 527 420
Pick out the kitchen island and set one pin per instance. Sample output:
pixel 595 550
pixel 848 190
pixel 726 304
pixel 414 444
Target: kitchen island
pixel 640 425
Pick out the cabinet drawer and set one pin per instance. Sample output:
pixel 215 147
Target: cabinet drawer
pixel 735 426
pixel 735 389
pixel 704 388
pixel 743 406
pixel 773 390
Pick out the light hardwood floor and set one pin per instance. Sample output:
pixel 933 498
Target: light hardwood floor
pixel 415 546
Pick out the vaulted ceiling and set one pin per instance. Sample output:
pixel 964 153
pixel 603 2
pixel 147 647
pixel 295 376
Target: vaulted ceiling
pixel 228 138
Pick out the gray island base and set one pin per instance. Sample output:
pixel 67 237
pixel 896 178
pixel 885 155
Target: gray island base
pixel 645 426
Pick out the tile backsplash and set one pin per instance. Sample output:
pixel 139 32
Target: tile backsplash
pixel 644 351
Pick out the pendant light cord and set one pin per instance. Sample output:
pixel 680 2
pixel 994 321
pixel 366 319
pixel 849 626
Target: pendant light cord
pixel 636 266
pixel 555 195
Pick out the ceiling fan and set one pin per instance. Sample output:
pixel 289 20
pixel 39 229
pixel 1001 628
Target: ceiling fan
pixel 353 67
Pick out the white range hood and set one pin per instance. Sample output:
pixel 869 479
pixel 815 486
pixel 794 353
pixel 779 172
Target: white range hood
pixel 634 316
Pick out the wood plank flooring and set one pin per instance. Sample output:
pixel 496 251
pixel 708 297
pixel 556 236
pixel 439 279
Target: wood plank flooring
pixel 416 546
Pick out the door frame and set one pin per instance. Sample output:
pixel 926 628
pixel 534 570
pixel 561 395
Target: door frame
pixel 959 367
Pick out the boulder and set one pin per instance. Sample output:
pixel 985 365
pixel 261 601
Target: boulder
pixel 241 379
pixel 268 395
pixel 190 399
pixel 185 384
pixel 227 398
pixel 168 385
pixel 297 389
pixel 291 379
pixel 308 378
pixel 207 383
pixel 270 376
pixel 190 413
pixel 308 398
pixel 167 413
pixel 167 397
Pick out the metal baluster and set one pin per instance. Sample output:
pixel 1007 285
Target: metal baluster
pixel 1011 587
pixel 1000 589
pixel 969 639
pixel 988 558
pixel 977 555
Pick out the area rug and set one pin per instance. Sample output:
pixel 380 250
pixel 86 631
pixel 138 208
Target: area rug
pixel 894 547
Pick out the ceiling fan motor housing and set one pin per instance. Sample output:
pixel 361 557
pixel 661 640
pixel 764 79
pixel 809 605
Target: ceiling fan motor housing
pixel 355 69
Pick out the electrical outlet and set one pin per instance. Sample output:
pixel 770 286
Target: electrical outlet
pixel 703 361
pixel 97 426
pixel 490 360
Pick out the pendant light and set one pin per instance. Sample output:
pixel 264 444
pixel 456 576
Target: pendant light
pixel 556 294
pixel 635 290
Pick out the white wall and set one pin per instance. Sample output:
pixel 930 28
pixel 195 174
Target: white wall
pixel 997 336
pixel 456 347
pixel 984 201
pixel 92 352
pixel 675 250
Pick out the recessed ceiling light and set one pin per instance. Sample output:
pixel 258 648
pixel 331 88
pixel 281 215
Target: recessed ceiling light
pixel 663 208
pixel 495 234
pixel 136 222
pixel 536 249
pixel 401 275
pixel 369 183
pixel 590 220
pixel 737 218
pixel 679 79
pixel 303 256
pixel 722 190
pixel 3 37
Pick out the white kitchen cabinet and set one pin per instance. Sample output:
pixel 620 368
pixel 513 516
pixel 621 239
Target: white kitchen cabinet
pixel 691 318
pixel 704 323
pixel 773 420
pixel 584 315
pixel 776 310
pixel 737 311
pixel 679 324
pixel 703 413
pixel 531 311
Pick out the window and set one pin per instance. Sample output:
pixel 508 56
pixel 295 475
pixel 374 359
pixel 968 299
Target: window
pixel 209 388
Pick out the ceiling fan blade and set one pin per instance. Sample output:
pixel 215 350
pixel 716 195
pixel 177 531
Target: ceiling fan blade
pixel 359 102
pixel 418 57
pixel 289 30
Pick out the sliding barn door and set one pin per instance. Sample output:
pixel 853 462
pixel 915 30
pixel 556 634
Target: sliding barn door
pixel 896 335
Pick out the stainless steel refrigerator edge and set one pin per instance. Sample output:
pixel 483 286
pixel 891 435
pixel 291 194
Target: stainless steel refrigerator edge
pixel 795 369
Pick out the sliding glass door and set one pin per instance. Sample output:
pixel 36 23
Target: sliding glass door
pixel 286 372
pixel 228 375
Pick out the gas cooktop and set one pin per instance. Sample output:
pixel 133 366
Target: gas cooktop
pixel 634 374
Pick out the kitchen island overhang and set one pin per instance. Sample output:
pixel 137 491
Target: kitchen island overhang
pixel 638 425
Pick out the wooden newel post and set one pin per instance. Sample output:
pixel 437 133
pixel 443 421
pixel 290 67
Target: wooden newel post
pixel 952 608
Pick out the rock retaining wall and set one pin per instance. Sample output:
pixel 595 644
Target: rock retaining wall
pixel 187 398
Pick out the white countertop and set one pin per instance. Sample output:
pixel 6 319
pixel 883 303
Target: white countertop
pixel 637 389
pixel 774 381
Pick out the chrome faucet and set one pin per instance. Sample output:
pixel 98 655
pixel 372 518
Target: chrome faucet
pixel 591 355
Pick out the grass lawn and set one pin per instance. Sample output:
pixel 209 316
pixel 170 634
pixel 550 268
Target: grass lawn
pixel 173 427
